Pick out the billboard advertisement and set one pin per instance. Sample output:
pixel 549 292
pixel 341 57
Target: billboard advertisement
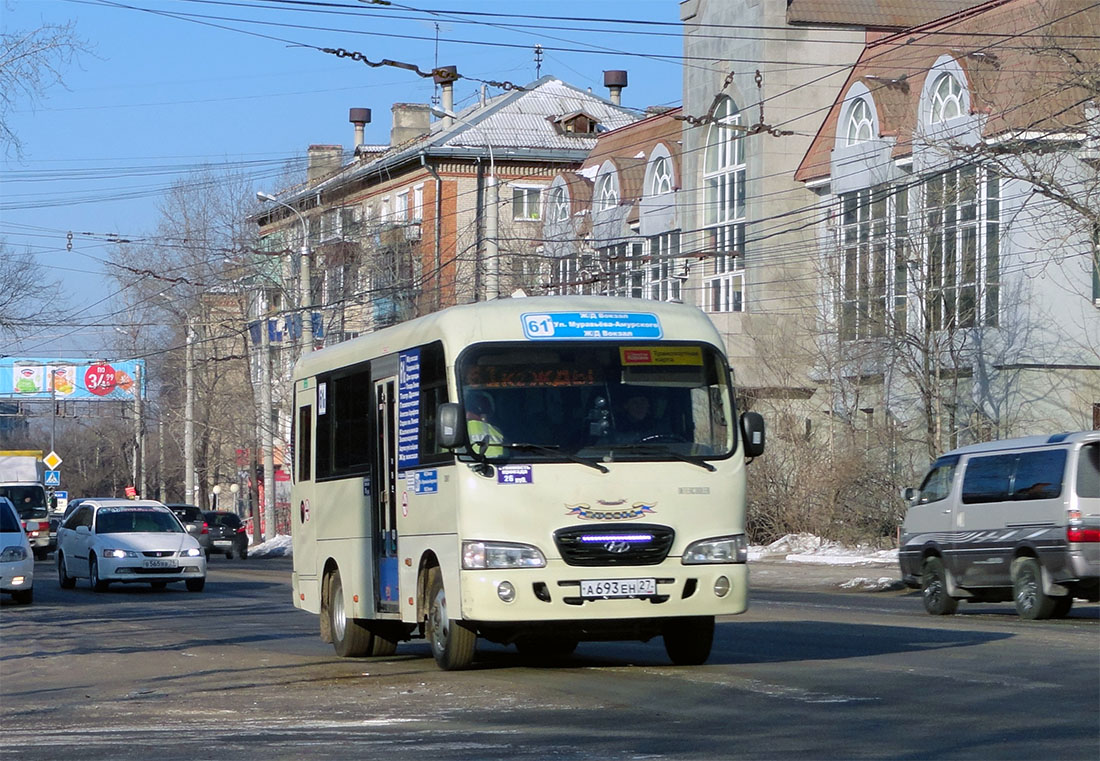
pixel 83 379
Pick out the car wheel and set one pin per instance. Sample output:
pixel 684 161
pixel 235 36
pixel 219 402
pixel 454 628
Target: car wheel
pixel 195 585
pixel 98 584
pixel 242 553
pixel 453 644
pixel 688 640
pixel 933 589
pixel 1032 603
pixel 350 638
pixel 1062 606
pixel 229 556
pixel 41 554
pixel 63 578
pixel 23 596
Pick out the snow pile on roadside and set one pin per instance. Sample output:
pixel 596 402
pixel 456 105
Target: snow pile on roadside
pixel 276 547
pixel 807 548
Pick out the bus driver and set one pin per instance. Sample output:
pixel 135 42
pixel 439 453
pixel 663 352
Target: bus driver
pixel 485 438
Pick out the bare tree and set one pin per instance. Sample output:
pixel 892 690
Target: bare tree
pixel 32 61
pixel 23 304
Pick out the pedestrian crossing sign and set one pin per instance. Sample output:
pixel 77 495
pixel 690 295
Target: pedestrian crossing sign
pixel 53 478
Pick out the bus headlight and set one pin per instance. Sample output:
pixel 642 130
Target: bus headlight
pixel 500 555
pixel 720 549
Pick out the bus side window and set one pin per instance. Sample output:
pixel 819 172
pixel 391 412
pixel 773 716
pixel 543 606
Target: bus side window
pixel 305 442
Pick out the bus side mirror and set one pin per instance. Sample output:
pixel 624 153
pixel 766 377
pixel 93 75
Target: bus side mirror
pixel 450 425
pixel 752 429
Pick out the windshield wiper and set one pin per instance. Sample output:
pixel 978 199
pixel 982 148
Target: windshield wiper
pixel 658 449
pixel 556 450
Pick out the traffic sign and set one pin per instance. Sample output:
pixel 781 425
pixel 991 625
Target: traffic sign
pixel 53 478
pixel 52 460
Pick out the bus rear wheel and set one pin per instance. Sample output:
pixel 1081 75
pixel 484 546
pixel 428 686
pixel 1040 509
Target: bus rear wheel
pixel 350 638
pixel 453 644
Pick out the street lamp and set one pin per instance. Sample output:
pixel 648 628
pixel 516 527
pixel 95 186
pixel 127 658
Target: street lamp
pixel 306 297
pixel 492 211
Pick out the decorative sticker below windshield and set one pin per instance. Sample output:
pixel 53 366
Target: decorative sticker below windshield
pixel 586 513
pixel 606 326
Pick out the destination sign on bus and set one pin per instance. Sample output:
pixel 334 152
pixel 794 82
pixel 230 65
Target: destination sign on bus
pixel 590 325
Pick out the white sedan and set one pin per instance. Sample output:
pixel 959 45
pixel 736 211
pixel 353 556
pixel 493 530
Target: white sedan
pixel 16 556
pixel 127 541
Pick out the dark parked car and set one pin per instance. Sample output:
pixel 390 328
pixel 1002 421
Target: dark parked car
pixel 227 534
pixel 195 522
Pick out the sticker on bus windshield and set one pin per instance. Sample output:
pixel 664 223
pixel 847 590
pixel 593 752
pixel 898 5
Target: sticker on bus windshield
pixel 606 326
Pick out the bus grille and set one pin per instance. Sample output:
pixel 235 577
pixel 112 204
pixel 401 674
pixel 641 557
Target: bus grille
pixel 619 544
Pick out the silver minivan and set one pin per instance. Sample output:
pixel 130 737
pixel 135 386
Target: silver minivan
pixel 1017 519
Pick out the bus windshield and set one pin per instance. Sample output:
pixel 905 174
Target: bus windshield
pixel 606 401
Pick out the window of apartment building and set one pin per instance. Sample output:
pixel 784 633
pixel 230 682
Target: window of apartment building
pixel 661 283
pixel 418 202
pixel 946 99
pixel 401 206
pixel 624 270
pixel 558 205
pixel 874 265
pixel 662 176
pixel 525 202
pixel 331 225
pixel 860 126
pixel 566 275
pixel 962 214
pixel 724 210
pixel 607 193
pixel 384 210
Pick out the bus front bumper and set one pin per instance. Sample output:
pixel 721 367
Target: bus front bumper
pixel 573 593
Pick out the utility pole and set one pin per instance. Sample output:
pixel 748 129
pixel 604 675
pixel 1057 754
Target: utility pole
pixel 267 438
pixel 139 459
pixel 189 416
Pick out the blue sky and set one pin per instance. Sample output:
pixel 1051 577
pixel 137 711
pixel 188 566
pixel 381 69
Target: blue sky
pixel 175 84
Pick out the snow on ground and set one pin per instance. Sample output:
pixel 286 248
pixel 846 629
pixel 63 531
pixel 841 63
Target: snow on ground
pixel 276 547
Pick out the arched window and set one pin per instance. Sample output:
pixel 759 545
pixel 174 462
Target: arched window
pixel 558 205
pixel 860 126
pixel 607 195
pixel 662 176
pixel 724 209
pixel 946 99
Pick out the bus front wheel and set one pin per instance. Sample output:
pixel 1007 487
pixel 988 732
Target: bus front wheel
pixel 350 638
pixel 688 640
pixel 453 644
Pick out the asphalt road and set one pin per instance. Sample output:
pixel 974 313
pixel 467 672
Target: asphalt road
pixel 809 672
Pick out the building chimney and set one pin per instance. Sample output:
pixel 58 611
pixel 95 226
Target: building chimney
pixel 615 81
pixel 410 120
pixel 323 161
pixel 445 77
pixel 360 117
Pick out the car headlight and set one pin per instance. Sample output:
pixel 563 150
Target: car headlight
pixel 720 549
pixel 500 555
pixel 191 552
pixel 120 554
pixel 13 553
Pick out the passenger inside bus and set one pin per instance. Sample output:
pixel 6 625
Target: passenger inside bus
pixel 485 437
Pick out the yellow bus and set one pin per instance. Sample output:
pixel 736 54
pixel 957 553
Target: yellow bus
pixel 531 471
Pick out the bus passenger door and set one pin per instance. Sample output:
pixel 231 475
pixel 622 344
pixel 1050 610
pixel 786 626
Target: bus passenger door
pixel 384 497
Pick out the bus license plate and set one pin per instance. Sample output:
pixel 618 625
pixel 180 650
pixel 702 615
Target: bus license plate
pixel 619 588
pixel 157 563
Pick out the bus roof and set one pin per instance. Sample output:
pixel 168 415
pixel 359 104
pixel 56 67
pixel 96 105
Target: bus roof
pixel 625 319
